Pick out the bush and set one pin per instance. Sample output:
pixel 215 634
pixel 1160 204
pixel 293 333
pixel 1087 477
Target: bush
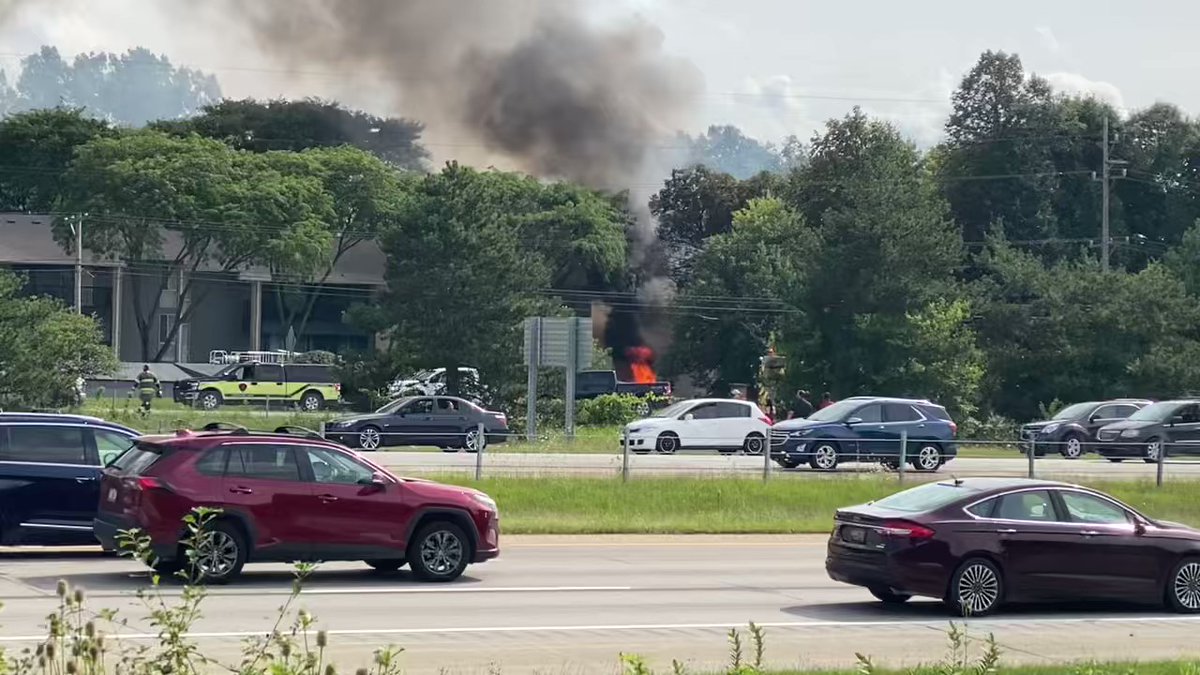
pixel 993 428
pixel 611 410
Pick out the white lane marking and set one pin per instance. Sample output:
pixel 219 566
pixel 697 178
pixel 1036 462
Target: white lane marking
pixel 664 626
pixel 501 589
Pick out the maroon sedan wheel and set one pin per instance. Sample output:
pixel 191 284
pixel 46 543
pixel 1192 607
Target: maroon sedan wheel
pixel 976 589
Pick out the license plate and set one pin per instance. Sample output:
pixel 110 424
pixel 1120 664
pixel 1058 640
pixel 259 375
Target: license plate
pixel 854 535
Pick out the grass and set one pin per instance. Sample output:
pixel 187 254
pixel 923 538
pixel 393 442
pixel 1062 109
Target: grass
pixel 1131 668
pixel 734 505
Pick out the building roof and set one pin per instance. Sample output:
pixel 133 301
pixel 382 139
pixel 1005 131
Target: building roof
pixel 27 239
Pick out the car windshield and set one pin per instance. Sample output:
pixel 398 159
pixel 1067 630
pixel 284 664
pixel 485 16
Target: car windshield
pixel 1072 411
pixel 836 412
pixel 228 369
pixel 422 376
pixel 1155 412
pixel 926 497
pixel 393 406
pixel 673 410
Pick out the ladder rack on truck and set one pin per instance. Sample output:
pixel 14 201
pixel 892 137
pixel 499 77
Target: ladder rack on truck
pixel 222 357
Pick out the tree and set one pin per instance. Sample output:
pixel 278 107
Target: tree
pixel 1158 197
pixel 473 253
pixel 732 307
pixel 726 149
pixel 695 204
pixel 37 147
pixel 130 89
pixel 299 125
pixel 170 207
pixel 44 349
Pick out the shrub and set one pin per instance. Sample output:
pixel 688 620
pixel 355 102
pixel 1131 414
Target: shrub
pixel 611 410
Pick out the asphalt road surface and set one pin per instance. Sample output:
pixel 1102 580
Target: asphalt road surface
pixel 574 604
pixel 535 464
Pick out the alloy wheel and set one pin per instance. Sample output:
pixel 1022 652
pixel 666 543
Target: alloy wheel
pixel 1073 448
pixel 312 403
pixel 978 589
pixel 825 457
pixel 929 458
pixel 667 445
pixel 1187 586
pixel 754 445
pixel 209 402
pixel 1152 450
pixel 368 439
pixel 441 552
pixel 216 554
pixel 473 441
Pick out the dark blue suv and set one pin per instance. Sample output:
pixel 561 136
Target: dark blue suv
pixel 867 429
pixel 50 475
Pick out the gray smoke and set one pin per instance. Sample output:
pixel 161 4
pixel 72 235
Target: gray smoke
pixel 533 81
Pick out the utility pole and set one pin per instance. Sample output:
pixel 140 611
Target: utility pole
pixel 1104 235
pixel 79 265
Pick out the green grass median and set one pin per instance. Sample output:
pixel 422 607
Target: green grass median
pixel 735 505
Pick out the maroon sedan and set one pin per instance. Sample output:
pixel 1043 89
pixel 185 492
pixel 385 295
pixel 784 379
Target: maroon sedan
pixel 977 543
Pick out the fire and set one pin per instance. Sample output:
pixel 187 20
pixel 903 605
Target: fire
pixel 641 364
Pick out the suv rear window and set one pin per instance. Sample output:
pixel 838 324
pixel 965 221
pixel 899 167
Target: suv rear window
pixel 137 459
pixel 936 411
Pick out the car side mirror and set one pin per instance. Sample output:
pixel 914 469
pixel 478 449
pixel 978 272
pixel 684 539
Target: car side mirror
pixel 689 417
pixel 377 481
pixel 1139 527
pixel 853 421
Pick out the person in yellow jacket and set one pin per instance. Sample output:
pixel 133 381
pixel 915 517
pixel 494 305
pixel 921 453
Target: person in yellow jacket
pixel 147 387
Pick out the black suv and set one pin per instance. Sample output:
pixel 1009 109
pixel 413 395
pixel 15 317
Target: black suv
pixel 1169 427
pixel 1072 430
pixel 50 475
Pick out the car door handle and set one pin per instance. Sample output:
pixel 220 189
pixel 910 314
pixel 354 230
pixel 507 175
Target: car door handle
pixel 84 479
pixel 1006 531
pixel 241 490
pixel 327 498
pixel 1090 533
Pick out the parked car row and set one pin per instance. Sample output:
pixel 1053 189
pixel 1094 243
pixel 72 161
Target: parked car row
pixel 282 496
pixel 1117 430
pixel 859 429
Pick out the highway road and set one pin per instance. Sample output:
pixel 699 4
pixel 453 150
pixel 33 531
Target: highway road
pixel 572 604
pixel 537 464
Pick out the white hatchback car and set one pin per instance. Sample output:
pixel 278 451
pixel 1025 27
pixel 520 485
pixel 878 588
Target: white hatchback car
pixel 721 424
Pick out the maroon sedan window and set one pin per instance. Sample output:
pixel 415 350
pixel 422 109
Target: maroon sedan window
pixel 1085 508
pixel 926 497
pixel 1032 505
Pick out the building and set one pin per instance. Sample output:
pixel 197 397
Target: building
pixel 138 305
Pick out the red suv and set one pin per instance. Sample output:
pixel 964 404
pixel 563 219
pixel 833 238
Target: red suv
pixel 284 497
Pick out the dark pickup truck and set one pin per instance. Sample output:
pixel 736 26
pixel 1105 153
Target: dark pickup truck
pixel 595 383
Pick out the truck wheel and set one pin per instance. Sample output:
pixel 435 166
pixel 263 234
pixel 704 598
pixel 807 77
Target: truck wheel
pixel 210 399
pixel 312 401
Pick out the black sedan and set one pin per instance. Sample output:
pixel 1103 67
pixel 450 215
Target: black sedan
pixel 1072 431
pixel 446 422
pixel 977 543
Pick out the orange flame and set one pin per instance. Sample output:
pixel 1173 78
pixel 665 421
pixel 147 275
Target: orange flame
pixel 640 365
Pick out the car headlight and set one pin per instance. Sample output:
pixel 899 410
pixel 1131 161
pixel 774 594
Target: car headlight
pixel 484 500
pixel 1130 433
pixel 799 433
pixel 1050 428
pixel 635 430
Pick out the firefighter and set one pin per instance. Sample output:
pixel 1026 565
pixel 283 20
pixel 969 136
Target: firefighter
pixel 148 387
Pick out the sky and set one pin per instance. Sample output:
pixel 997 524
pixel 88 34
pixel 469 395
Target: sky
pixel 772 67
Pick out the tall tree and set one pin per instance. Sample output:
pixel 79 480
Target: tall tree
pixel 179 208
pixel 261 126
pixel 130 89
pixel 37 147
pixel 726 149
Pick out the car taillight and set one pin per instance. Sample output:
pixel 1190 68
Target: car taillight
pixel 766 419
pixel 337 388
pixel 147 483
pixel 902 529
pixel 954 428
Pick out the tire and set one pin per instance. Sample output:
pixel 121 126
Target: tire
pixel 824 456
pixel 168 568
pixel 387 565
pixel 643 409
pixel 221 555
pixel 667 444
pixel 976 589
pixel 1153 447
pixel 1116 460
pixel 472 441
pixel 440 552
pixel 754 444
pixel 312 401
pixel 210 399
pixel 1183 587
pixel 788 463
pixel 1072 446
pixel 726 451
pixel 928 459
pixel 370 438
pixel 889 598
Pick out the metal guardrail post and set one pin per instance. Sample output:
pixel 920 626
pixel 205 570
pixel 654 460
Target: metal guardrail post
pixel 1162 460
pixel 766 452
pixel 480 446
pixel 624 455
pixel 903 455
pixel 1032 456
pixel 322 429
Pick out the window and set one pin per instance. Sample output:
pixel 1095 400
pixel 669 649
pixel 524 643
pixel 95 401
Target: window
pixel 936 412
pixel 447 406
pixel 704 411
pixel 268 372
pixel 1033 505
pixel 926 497
pixel 45 444
pixel 333 467
pixel 110 445
pixel 165 322
pixel 1085 508
pixel 1124 411
pixel 421 406
pixel 1106 412
pixel 983 509
pixel 1189 414
pixel 213 462
pixel 900 412
pixel 732 410
pixel 869 413
pixel 265 462
pixel 139 458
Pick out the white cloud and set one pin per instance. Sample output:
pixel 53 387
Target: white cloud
pixel 1075 84
pixel 1049 39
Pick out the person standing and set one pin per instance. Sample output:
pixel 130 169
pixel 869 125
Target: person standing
pixel 803 406
pixel 826 401
pixel 147 386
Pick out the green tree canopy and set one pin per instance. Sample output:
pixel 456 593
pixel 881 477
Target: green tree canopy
pixel 37 147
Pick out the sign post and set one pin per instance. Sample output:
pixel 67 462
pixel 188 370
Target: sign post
pixel 553 342
pixel 533 356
